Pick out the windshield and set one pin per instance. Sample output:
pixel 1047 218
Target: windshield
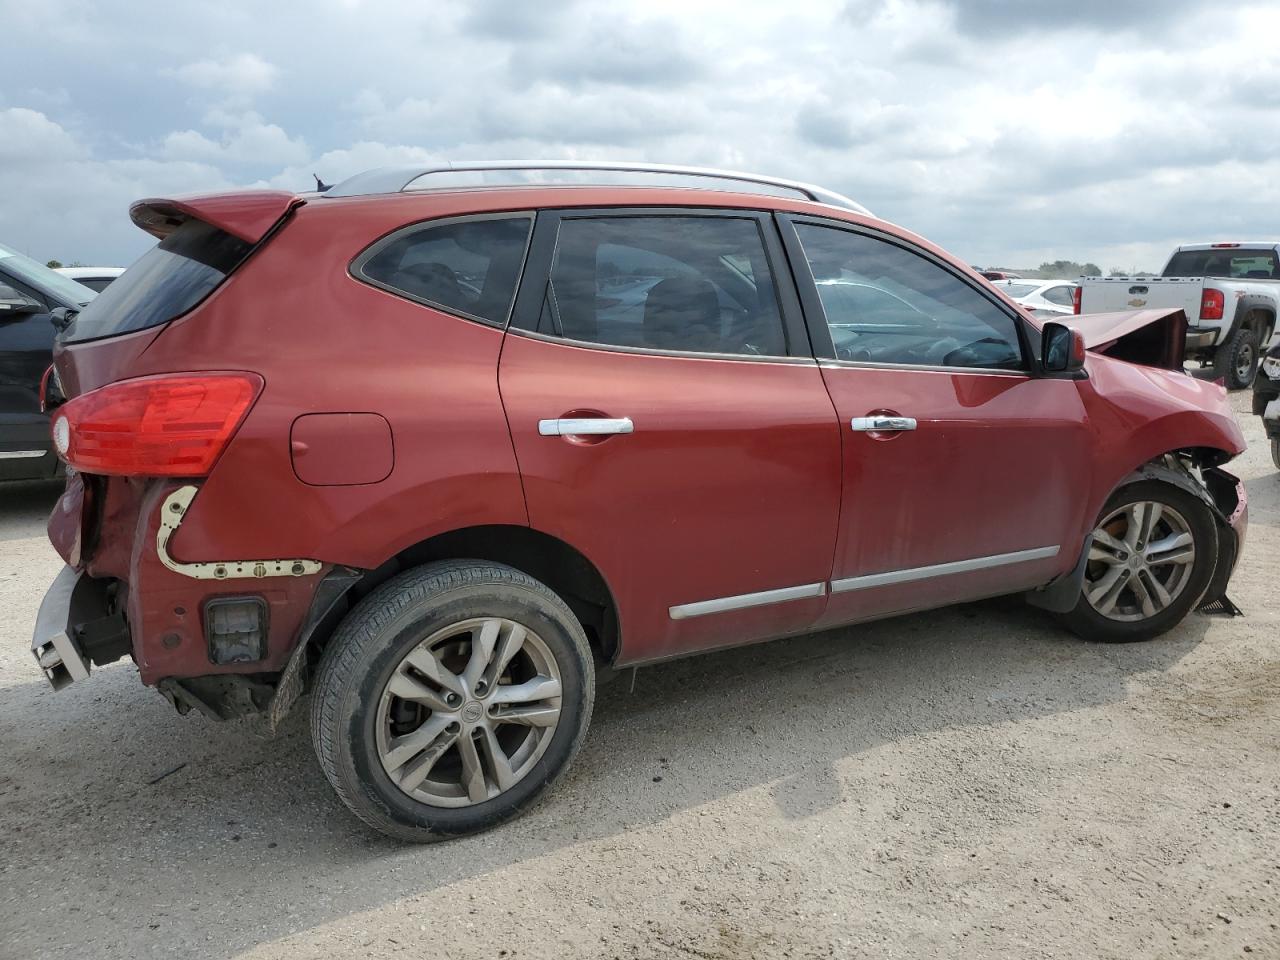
pixel 1248 264
pixel 47 281
pixel 167 281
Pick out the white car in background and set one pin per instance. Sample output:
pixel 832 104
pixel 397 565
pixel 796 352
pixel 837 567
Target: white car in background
pixel 95 278
pixel 1044 298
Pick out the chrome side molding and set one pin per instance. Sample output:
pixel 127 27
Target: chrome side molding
pixel 723 604
pixel 941 569
pixel 703 607
pixel 21 454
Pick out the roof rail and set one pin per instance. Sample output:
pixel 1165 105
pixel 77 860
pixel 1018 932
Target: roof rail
pixel 401 178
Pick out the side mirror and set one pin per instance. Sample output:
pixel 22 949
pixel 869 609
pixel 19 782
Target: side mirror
pixel 16 304
pixel 1061 348
pixel 61 317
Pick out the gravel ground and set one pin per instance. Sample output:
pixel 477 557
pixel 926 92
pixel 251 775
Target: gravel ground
pixel 966 783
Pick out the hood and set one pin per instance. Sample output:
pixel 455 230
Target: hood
pixel 1153 338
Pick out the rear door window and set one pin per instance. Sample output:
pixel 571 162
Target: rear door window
pixel 697 284
pixel 167 281
pixel 469 267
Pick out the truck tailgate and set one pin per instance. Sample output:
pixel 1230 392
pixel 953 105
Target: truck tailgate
pixel 1114 294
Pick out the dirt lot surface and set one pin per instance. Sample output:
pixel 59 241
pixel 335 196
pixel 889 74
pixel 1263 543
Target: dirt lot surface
pixel 967 783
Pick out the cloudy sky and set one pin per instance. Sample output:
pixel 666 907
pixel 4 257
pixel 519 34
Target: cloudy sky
pixel 1009 132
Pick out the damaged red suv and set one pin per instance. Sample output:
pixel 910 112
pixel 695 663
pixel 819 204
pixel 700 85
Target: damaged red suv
pixel 438 444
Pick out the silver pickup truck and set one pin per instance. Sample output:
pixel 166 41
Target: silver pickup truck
pixel 1230 293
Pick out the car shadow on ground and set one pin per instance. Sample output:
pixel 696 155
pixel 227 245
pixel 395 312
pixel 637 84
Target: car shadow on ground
pixel 212 838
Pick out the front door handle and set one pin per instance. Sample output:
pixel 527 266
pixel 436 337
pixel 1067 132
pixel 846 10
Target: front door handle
pixel 585 426
pixel 882 424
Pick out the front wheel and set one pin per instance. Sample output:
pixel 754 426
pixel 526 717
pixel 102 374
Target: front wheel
pixel 450 699
pixel 1153 554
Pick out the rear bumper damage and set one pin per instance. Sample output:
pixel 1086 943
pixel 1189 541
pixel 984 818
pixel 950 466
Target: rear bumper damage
pixel 79 624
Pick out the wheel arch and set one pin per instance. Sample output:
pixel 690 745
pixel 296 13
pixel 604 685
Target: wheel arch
pixel 561 566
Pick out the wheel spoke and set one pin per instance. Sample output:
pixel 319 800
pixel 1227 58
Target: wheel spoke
pixel 1106 591
pixel 1175 548
pixel 499 763
pixel 1101 538
pixel 1160 597
pixel 1105 553
pixel 531 691
pixel 402 749
pixel 533 715
pixel 1133 530
pixel 425 662
pixel 1151 517
pixel 1143 596
pixel 483 640
pixel 508 647
pixel 407 688
pixel 416 771
pixel 472 770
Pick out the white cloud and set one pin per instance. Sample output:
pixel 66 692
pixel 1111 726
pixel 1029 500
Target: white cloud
pixel 239 75
pixel 1042 134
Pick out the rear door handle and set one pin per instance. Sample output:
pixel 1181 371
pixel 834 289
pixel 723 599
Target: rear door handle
pixel 882 424
pixel 585 426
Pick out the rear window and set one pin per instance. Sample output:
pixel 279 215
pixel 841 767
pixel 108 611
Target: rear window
pixel 167 281
pixel 1019 289
pixel 1225 262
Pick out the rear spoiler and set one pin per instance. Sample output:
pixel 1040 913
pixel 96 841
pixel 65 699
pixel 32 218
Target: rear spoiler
pixel 1153 338
pixel 247 214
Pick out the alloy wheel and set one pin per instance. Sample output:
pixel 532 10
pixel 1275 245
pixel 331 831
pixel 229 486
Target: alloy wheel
pixel 468 712
pixel 1140 561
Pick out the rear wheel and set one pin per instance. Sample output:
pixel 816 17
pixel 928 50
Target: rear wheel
pixel 1236 361
pixel 450 699
pixel 1153 554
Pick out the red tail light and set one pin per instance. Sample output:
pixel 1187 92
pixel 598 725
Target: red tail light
pixel 1212 305
pixel 173 425
pixel 1075 300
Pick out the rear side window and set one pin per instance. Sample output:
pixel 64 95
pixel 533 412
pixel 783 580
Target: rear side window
pixel 469 267
pixel 673 283
pixel 167 281
pixel 1225 262
pixel 1059 295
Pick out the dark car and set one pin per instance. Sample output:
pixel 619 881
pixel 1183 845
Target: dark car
pixel 1266 399
pixel 438 455
pixel 29 291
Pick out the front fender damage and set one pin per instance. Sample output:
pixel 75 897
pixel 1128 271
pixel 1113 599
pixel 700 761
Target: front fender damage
pixel 1221 492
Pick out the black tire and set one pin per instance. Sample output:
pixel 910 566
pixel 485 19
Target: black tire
pixel 1237 359
pixel 1275 453
pixel 1089 624
pixel 370 644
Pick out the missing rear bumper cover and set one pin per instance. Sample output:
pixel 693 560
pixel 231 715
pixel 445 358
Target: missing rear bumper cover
pixel 171 514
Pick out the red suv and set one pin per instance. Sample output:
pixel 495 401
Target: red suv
pixel 437 445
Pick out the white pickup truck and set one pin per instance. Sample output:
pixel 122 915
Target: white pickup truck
pixel 1230 293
